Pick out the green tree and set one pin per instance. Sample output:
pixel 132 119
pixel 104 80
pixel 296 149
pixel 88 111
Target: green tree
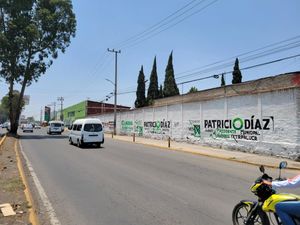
pixel 223 80
pixel 161 92
pixel 3 114
pixel 140 92
pixel 5 103
pixel 193 89
pixel 170 86
pixel 32 32
pixel 236 74
pixel 153 92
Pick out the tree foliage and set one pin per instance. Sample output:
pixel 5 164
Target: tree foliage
pixel 236 74
pixel 193 89
pixel 153 92
pixel 223 80
pixel 161 92
pixel 140 92
pixel 170 86
pixel 32 32
pixel 5 102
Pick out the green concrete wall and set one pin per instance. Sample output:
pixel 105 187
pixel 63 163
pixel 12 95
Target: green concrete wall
pixel 74 112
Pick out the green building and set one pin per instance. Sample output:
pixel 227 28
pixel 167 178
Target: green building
pixel 88 108
pixel 77 111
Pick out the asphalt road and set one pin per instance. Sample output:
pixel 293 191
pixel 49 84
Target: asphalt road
pixel 130 184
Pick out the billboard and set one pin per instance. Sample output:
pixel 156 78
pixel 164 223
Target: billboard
pixel 47 114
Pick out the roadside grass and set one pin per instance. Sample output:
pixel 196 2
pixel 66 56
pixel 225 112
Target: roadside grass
pixel 12 185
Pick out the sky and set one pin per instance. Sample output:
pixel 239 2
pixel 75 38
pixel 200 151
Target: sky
pixel 201 33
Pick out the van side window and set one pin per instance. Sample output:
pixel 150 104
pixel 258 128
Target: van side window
pixel 79 126
pixel 74 127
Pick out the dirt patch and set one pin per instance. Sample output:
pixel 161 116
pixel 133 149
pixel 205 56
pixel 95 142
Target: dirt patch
pixel 11 185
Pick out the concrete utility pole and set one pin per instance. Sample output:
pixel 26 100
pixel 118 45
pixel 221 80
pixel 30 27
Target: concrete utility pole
pixel 61 100
pixel 116 76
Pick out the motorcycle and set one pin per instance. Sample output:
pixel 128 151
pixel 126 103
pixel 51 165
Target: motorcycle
pixel 248 212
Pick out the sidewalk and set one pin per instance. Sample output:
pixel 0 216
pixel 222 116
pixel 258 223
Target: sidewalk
pixel 253 159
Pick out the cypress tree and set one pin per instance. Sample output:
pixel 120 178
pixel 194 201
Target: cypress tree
pixel 161 92
pixel 223 81
pixel 140 92
pixel 153 92
pixel 192 90
pixel 170 86
pixel 236 74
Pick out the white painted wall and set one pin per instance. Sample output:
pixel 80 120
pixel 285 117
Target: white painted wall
pixel 178 121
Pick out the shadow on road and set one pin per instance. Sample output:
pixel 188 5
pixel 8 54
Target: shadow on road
pixel 89 147
pixel 36 137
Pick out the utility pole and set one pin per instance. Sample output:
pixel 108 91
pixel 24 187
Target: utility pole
pixel 41 116
pixel 116 76
pixel 61 100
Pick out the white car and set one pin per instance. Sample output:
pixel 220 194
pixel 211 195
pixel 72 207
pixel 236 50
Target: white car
pixel 86 131
pixel 28 128
pixel 55 127
pixel 37 126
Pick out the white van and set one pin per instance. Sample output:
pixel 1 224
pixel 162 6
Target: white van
pixel 55 127
pixel 86 131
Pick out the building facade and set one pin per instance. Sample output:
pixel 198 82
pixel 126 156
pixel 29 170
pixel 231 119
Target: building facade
pixel 87 109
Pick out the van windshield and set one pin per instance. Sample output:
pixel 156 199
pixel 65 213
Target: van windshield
pixel 55 124
pixel 92 127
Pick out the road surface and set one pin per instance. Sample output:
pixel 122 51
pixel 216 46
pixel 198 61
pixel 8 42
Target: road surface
pixel 130 184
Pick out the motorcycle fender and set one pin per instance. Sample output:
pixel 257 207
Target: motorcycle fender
pixel 248 202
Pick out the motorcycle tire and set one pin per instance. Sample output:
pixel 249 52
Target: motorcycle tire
pixel 241 212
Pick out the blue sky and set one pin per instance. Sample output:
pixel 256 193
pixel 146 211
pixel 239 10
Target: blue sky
pixel 223 30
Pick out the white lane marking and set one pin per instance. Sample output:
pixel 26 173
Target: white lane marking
pixel 47 204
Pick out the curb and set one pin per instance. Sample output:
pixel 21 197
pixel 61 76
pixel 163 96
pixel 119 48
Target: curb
pixel 32 210
pixel 202 154
pixel 3 139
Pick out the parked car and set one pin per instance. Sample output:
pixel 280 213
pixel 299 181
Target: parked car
pixel 27 128
pixel 55 127
pixel 86 131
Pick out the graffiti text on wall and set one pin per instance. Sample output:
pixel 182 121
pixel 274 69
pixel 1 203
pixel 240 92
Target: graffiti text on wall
pixel 138 127
pixel 157 127
pixel 238 128
pixel 126 126
pixel 194 128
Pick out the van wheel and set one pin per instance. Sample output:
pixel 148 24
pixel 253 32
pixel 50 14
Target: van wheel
pixel 70 141
pixel 79 144
pixel 98 145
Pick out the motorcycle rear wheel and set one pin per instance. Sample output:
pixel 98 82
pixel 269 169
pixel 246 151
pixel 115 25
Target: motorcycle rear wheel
pixel 241 212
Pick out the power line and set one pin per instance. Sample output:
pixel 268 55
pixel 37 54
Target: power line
pixel 242 54
pixel 249 58
pixel 155 25
pixel 245 68
pixel 168 27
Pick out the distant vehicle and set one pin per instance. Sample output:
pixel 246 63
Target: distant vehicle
pixel 86 131
pixel 37 126
pixel 27 128
pixel 5 125
pixel 55 127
